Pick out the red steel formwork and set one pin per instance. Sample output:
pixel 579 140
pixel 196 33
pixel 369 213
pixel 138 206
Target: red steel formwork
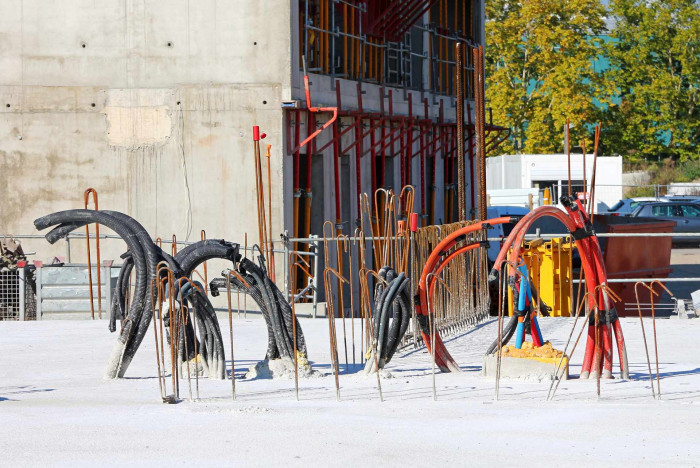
pixel 390 135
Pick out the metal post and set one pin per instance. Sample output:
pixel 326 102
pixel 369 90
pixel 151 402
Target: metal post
pixel 38 293
pixel 108 282
pixel 287 279
pixel 316 282
pixel 480 124
pixel 22 305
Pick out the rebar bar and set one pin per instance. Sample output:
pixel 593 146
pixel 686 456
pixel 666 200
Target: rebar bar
pixel 459 117
pixel 86 197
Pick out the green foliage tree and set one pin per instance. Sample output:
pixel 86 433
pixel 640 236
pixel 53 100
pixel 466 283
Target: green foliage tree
pixel 539 67
pixel 654 52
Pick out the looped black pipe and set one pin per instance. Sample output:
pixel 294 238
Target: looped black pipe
pixel 143 257
pixel 272 304
pixel 73 219
pixel 391 316
pixel 135 235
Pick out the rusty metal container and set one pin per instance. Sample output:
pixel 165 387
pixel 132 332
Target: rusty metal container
pixel 634 257
pixel 625 257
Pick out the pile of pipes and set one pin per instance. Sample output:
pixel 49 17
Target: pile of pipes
pixel 164 290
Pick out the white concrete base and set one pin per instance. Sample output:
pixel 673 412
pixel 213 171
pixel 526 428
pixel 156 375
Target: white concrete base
pixel 280 369
pixel 524 368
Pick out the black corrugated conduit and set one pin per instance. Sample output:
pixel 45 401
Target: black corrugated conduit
pixel 391 316
pixel 143 258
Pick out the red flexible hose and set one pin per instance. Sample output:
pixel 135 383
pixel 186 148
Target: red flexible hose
pixel 591 261
pixel 435 261
pixel 588 354
pixel 607 348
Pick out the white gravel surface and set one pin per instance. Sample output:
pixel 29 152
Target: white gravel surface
pixel 56 410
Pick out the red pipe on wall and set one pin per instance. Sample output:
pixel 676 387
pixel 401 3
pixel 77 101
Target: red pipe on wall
pixel 358 149
pixel 331 121
pixel 336 162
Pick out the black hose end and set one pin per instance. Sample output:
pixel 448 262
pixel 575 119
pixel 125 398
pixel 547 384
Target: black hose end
pixel 42 223
pixel 493 275
pixel 214 288
pixel 51 239
pixel 568 201
pixel 515 219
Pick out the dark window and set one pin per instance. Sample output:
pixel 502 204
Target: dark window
pixel 690 211
pixel 642 211
pixel 665 210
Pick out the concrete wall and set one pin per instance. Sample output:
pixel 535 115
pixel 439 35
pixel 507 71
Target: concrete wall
pixel 151 102
pixel 636 178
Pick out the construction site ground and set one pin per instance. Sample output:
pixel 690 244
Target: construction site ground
pixel 56 409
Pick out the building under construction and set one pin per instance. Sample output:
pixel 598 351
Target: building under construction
pixel 152 103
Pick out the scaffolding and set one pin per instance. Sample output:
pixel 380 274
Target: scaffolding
pixel 415 48
pixel 407 43
pixel 382 136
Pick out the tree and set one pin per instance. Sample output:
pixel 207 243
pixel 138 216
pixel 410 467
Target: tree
pixel 654 55
pixel 539 68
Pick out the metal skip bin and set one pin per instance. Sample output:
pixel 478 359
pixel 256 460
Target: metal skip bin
pixel 634 257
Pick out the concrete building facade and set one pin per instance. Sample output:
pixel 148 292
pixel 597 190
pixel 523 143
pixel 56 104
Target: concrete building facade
pixel 152 103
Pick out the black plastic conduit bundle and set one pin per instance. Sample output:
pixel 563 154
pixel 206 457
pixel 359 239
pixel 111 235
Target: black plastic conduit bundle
pixel 273 306
pixel 143 258
pixel 391 315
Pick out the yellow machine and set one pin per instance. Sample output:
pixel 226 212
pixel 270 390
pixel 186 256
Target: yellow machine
pixel 549 265
pixel 547 197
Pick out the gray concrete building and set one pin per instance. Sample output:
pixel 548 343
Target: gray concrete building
pixel 152 103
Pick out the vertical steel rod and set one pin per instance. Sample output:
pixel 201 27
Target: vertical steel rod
pixel 459 117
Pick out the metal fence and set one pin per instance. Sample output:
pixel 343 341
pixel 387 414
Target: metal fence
pixel 9 295
pixel 17 295
pixel 18 288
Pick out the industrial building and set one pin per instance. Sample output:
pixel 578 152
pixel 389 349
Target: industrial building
pixel 551 171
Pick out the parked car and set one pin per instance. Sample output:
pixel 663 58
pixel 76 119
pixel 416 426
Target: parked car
pixel 626 206
pixel 685 214
pixel 502 230
pixel 681 198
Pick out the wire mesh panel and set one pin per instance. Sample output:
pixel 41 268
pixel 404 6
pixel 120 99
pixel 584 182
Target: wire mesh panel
pixel 9 295
pixel 462 300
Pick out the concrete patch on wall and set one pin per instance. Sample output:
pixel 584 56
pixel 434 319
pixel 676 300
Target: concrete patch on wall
pixel 132 127
pixel 138 118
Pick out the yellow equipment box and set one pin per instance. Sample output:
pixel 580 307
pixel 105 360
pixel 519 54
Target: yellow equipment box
pixel 549 266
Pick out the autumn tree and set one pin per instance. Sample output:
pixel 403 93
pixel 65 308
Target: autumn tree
pixel 654 52
pixel 540 69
